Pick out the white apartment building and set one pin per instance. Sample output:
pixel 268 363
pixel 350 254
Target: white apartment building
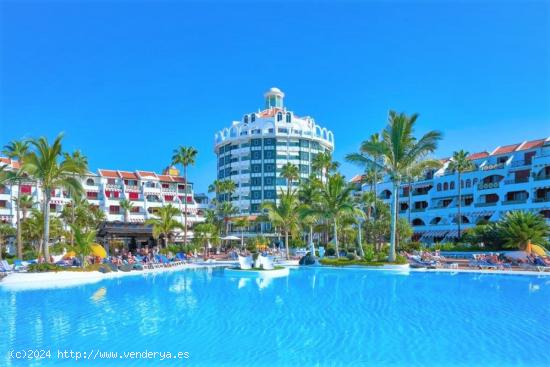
pixel 510 177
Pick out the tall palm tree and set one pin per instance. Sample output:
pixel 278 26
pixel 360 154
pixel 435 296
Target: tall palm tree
pixel 165 224
pixel 44 164
pixel 225 210
pixel 284 214
pixel 370 162
pixel 324 164
pixel 14 178
pixel 335 203
pixel 185 156
pixel 460 163
pixel 126 206
pixel 398 150
pixel 291 173
pixel 520 229
pixel 308 195
pixel 242 223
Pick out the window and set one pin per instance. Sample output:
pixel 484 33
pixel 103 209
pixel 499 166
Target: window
pixel 269 141
pixel 304 168
pixel 269 154
pixel 3 203
pixel 256 181
pixel 111 181
pixel 253 117
pixel 245 119
pixel 269 181
pixel 269 194
pixel 282 130
pixel 133 195
pixel 446 186
pixel 304 156
pixel 288 117
pixel 256 194
pixel 255 208
pixel 438 187
pixel 135 209
pixel 468 183
pixel 256 154
pixel 114 209
pixel 256 142
pixel 452 185
pixel 90 182
pixel 269 167
pixel 256 168
pixel 91 195
pixel 304 143
pixel 279 116
pixel 281 181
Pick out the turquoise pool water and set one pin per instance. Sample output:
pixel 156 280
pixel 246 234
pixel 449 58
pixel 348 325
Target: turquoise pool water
pixel 313 317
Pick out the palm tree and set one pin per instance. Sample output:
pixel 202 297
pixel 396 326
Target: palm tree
pixel 284 214
pixel 520 229
pixel 399 150
pixel 24 203
pixel 291 173
pixel 33 228
pixel 308 195
pixel 5 231
pixel 222 187
pixel 16 149
pixel 185 156
pixel 225 210
pixel 165 224
pixel 205 233
pixel 335 203
pixel 13 178
pixel 44 165
pixel 242 223
pixel 323 163
pixel 83 242
pixel 460 163
pixel 127 206
pixel 370 162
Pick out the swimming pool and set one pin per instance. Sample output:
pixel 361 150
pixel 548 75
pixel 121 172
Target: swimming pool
pixel 313 317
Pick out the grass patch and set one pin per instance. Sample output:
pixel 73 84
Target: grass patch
pixel 45 268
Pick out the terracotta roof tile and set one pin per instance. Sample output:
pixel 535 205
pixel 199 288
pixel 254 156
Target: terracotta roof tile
pixel 107 173
pixel 146 174
pixel 178 179
pixel 165 178
pixel 532 144
pixel 478 155
pixel 128 175
pixel 357 179
pixel 505 149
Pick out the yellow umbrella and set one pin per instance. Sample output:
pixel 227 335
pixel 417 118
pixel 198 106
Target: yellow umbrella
pixel 98 250
pixel 70 254
pixel 539 250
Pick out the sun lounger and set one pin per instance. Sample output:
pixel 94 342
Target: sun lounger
pixel 245 262
pixel 5 267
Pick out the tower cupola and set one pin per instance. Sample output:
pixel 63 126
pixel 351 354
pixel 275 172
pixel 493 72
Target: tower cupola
pixel 274 98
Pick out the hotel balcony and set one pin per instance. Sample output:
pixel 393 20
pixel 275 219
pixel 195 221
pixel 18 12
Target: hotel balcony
pixel 514 202
pixel 516 181
pixel 480 205
pixel 540 178
pixel 488 186
pixel 541 200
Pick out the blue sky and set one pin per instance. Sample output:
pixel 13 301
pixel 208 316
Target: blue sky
pixel 129 81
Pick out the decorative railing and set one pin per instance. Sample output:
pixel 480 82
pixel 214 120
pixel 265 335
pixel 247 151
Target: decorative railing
pixel 520 163
pixel 516 181
pixel 489 185
pixel 541 200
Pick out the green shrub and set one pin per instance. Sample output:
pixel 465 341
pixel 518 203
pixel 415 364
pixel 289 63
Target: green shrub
pixel 347 262
pixel 369 252
pixel 401 260
pixel 42 268
pixel 330 252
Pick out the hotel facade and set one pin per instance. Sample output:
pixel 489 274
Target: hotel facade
pixel 146 190
pixel 252 151
pixel 510 177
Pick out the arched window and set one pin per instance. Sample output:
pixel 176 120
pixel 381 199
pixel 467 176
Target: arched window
pixel 474 182
pixel 279 116
pixel 288 117
pixel 445 186
pixel 253 117
pixel 438 187
pixel 461 184
pixel 246 119
pixel 417 222
pixel 90 182
pixel 452 185
pixel 468 183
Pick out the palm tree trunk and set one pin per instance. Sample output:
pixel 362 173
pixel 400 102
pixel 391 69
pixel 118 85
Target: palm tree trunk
pixel 286 245
pixel 459 205
pixel 361 252
pixel 19 239
pixel 410 201
pixel 336 239
pixel 185 206
pixel 47 197
pixel 311 244
pixel 393 223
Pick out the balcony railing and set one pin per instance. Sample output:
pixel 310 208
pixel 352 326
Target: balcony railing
pixel 541 200
pixel 512 202
pixel 489 185
pixel 477 205
pixel 416 193
pixel 540 178
pixel 415 210
pixel 520 163
pixel 516 181
pixel 492 166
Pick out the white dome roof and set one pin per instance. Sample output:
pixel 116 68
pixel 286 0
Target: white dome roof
pixel 274 90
